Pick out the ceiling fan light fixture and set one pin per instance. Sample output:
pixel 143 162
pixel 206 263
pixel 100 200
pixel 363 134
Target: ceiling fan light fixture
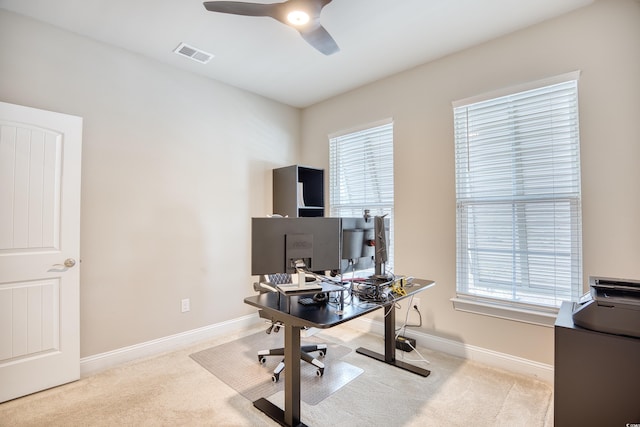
pixel 301 15
pixel 298 18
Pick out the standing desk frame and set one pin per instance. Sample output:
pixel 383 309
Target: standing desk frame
pixel 296 316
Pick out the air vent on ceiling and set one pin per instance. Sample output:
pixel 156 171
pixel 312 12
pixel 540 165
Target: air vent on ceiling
pixel 193 53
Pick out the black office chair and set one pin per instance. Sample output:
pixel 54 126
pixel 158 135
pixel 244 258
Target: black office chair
pixel 271 281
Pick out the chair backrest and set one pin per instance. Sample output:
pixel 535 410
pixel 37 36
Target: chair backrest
pixel 268 282
pixel 279 278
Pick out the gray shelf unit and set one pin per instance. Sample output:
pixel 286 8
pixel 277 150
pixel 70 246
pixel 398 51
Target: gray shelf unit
pixel 286 197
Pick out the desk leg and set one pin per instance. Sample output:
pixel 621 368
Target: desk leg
pixel 290 417
pixel 389 356
pixel 390 333
pixel 292 375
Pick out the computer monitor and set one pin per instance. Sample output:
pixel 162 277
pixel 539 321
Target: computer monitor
pixel 277 243
pixel 364 241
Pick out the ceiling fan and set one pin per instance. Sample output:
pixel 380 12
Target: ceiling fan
pixel 302 15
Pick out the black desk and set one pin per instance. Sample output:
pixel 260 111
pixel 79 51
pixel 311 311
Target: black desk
pixel 295 316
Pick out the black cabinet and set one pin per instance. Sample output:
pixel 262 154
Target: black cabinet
pixel 298 191
pixel 596 376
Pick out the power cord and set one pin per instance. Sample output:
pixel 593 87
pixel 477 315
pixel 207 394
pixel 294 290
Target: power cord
pixel 404 327
pixel 406 318
pixel 422 358
pixel 415 307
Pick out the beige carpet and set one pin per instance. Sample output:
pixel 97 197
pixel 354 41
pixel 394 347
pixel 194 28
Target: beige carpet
pixel 174 390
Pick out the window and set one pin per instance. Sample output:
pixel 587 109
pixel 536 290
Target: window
pixel 361 174
pixel 518 200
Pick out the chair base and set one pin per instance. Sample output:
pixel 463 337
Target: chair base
pixel 305 355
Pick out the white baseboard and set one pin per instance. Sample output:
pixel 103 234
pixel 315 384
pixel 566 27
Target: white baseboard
pixel 99 362
pixel 507 362
pixel 110 359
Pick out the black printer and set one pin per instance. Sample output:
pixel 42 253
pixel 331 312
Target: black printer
pixel 613 306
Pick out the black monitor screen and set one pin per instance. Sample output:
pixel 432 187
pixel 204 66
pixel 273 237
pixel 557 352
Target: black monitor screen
pixel 276 243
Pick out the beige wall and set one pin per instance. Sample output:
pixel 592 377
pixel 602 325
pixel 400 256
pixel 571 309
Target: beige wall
pixel 603 41
pixel 174 166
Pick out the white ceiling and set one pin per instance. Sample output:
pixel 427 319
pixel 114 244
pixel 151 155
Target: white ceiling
pixel 377 38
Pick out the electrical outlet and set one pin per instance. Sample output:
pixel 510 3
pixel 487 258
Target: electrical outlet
pixel 406 305
pixel 186 305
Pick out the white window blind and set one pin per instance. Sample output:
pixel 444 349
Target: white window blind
pixel 519 232
pixel 361 174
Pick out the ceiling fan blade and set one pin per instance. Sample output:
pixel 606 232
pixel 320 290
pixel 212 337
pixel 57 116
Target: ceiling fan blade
pixel 321 40
pixel 312 32
pixel 240 8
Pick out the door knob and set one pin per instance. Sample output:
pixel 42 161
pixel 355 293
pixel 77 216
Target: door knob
pixel 68 263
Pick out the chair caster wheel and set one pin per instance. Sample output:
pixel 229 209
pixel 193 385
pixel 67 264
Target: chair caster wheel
pixel 322 353
pixel 275 378
pixel 262 360
pixel 320 372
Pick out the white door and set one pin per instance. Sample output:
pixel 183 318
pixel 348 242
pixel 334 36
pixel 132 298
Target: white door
pixel 39 249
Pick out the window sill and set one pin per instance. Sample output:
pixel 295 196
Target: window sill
pixel 543 317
